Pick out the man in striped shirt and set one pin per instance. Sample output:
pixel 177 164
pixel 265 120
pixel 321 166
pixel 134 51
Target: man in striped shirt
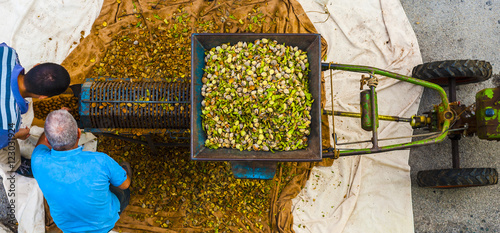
pixel 42 81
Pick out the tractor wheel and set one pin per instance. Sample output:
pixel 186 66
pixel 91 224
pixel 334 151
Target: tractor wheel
pixel 457 178
pixel 463 71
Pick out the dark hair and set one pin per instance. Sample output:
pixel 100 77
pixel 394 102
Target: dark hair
pixel 47 79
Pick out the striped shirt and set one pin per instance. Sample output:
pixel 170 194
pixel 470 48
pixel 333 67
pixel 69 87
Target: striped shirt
pixel 12 104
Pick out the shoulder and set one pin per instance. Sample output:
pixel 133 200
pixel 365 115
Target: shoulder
pixel 39 152
pixel 105 162
pixel 96 154
pixel 5 50
pixel 6 47
pixel 9 53
pixel 99 156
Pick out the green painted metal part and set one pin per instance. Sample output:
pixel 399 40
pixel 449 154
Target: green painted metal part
pixel 487 114
pixel 444 107
pixel 366 110
pixel 358 115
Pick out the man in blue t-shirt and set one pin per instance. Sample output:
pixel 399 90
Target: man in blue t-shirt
pixel 42 81
pixel 86 191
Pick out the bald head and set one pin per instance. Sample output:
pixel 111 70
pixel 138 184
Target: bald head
pixel 61 130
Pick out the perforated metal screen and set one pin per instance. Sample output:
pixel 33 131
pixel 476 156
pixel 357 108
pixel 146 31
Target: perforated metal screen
pixel 124 104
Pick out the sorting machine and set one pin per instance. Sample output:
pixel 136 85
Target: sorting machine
pixel 107 104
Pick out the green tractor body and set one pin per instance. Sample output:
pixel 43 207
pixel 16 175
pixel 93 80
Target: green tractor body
pixel 488 113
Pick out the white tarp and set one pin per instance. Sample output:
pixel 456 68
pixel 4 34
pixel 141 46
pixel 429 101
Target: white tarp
pixel 41 31
pixel 370 193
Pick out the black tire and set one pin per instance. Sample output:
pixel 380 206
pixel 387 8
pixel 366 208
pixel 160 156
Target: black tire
pixel 463 71
pixel 457 178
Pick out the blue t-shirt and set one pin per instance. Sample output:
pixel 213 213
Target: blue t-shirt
pixel 76 186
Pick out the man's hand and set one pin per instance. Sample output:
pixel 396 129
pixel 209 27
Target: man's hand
pixel 22 134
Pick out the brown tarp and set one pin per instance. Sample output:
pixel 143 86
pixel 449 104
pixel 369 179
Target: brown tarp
pixel 281 16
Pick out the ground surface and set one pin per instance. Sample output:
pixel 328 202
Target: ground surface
pixel 456 29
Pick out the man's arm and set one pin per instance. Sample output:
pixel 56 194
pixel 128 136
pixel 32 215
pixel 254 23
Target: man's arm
pixel 125 183
pixel 116 174
pixel 43 140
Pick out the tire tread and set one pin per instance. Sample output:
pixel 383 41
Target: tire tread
pixel 465 71
pixel 464 177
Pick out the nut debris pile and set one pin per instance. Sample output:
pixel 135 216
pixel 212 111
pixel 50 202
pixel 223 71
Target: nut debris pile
pixel 153 49
pixel 205 194
pixel 42 108
pixel 256 96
